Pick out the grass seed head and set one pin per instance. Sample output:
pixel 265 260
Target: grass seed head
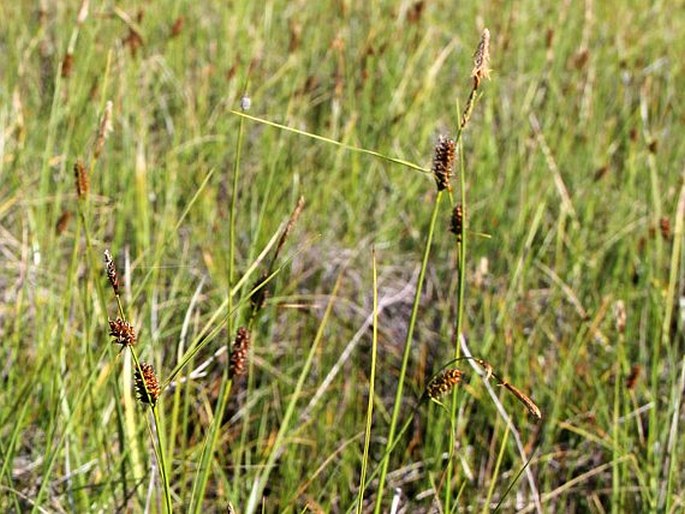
pixel 81 176
pixel 104 130
pixel 443 383
pixel 665 228
pixel 62 222
pixel 67 65
pixel 241 345
pixel 443 162
pixel 289 227
pixel 122 332
pixel 147 385
pixel 481 60
pixel 633 377
pixel 457 222
pixel 112 274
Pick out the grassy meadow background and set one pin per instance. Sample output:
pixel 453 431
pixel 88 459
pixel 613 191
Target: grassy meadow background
pixel 572 162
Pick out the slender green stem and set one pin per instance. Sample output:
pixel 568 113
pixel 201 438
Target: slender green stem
pixel 203 469
pixel 164 472
pixel 405 357
pixel 159 446
pixel 372 380
pixel 276 448
pixel 231 231
pixel 351 148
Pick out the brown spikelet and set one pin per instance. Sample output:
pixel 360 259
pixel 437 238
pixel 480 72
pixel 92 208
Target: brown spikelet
pixel 147 385
pixel 665 228
pixel 112 274
pixel 443 383
pixel 67 65
pixel 415 12
pixel 241 345
pixel 443 162
pixel 104 129
pixel 633 377
pixel 81 176
pixel 177 27
pixel 653 146
pixel 122 332
pixel 524 399
pixel 62 222
pixel 481 60
pixel 133 40
pixel 457 222
pixel 289 227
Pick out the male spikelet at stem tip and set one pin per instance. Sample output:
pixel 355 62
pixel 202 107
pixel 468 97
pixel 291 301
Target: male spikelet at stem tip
pixel 481 70
pixel 147 385
pixel 481 60
pixel 443 383
pixel 241 345
pixel 443 162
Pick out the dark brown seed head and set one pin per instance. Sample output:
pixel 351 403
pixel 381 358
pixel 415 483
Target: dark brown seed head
pixel 112 274
pixel 443 162
pixel 122 332
pixel 81 176
pixel 289 227
pixel 63 222
pixel 241 345
pixel 665 227
pixel 443 383
pixel 177 26
pixel 67 65
pixel 457 222
pixel 634 376
pixel 147 385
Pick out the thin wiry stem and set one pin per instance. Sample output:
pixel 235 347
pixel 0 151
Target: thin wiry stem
pixel 405 357
pixel 372 379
